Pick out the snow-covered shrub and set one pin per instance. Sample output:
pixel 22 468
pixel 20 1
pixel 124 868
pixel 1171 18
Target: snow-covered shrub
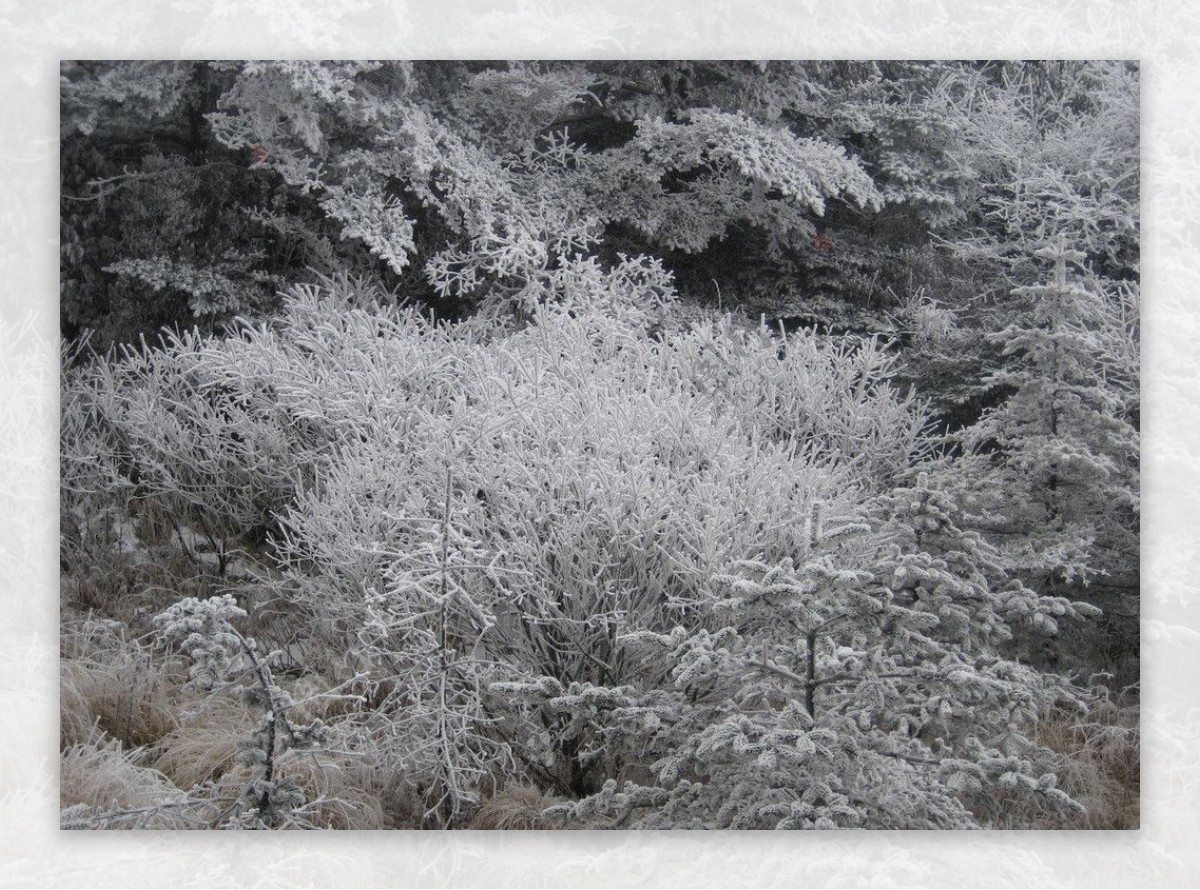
pixel 668 572
pixel 217 458
pixel 507 508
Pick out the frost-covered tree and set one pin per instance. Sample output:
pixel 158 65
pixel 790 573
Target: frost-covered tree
pixel 203 630
pixel 1054 465
pixel 1045 152
pixel 1028 337
pixel 1063 439
pixel 819 694
pixel 463 181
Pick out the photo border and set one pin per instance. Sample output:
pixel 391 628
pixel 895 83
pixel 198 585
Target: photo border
pixel 1165 36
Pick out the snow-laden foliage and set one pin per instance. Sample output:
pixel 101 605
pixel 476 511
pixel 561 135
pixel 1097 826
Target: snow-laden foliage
pixel 210 291
pixel 666 570
pixel 519 196
pixel 1054 151
pixel 683 184
pixel 98 94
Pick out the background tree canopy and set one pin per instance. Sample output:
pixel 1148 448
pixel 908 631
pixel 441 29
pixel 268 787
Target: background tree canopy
pixel 699 444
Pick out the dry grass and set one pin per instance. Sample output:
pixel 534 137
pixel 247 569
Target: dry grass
pixel 100 776
pixel 204 746
pixel 516 808
pixel 1096 757
pixel 190 776
pixel 1098 762
pixel 116 685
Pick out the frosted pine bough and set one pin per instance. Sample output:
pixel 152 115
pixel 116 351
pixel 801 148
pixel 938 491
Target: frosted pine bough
pixel 686 580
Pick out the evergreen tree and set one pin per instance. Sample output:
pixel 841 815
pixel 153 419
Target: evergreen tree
pixel 1055 463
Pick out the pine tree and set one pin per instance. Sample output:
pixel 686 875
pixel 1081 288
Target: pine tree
pixel 1062 442
pixel 1054 464
pixel 857 684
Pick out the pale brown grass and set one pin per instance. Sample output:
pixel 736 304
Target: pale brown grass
pixel 1098 762
pixel 517 807
pixel 203 747
pixel 101 776
pixel 109 683
pixel 1097 757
